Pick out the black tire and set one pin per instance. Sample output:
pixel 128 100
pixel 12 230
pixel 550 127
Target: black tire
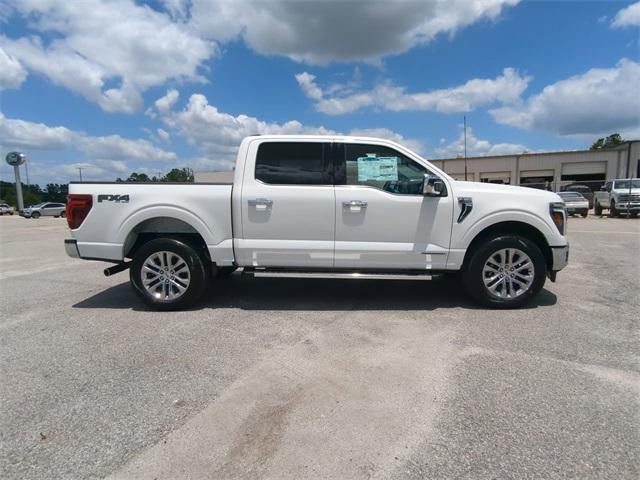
pixel 198 273
pixel 63 214
pixel 585 214
pixel 597 209
pixel 35 215
pixel 613 211
pixel 472 275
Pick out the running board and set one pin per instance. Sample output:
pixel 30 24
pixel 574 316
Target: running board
pixel 339 275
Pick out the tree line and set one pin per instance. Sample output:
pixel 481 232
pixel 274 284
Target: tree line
pixel 57 192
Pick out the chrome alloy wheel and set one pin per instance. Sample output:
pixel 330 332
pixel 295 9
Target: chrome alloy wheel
pixel 508 273
pixel 165 275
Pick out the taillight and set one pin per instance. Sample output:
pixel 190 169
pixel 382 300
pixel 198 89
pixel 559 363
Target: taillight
pixel 78 207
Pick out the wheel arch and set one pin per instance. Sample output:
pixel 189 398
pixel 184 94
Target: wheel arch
pixel 163 226
pixel 523 229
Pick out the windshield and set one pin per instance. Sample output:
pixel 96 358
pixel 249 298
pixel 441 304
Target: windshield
pixel 635 183
pixel 37 205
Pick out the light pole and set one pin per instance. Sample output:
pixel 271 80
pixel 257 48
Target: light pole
pixel 80 171
pixel 465 148
pixel 15 159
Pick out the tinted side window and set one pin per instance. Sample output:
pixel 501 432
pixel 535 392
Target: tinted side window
pixel 293 163
pixel 380 167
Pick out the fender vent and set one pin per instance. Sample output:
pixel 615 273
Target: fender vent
pixel 466 205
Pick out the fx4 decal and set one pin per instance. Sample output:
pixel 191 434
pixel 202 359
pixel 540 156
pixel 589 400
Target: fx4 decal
pixel 113 198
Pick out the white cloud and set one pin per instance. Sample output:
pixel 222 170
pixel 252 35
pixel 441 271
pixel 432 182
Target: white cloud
pixel 163 135
pixel 308 86
pixel 477 147
pixel 112 52
pixel 599 101
pixel 12 74
pixel 321 32
pixel 627 17
pixel 477 92
pixel 218 132
pixel 108 52
pixel 217 135
pixel 21 134
pixel 104 156
pixel 164 104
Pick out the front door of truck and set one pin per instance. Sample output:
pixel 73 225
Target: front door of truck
pixel 287 202
pixel 382 219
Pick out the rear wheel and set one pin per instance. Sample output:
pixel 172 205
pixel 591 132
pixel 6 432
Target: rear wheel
pixel 63 214
pixel 506 271
pixel 585 214
pixel 597 209
pixel 168 274
pixel 35 215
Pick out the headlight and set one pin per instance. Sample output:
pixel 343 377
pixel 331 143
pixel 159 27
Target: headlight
pixel 558 213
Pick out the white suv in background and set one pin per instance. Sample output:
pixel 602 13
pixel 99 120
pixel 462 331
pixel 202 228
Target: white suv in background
pixel 6 209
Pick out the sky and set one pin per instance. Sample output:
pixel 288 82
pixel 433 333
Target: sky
pixel 116 86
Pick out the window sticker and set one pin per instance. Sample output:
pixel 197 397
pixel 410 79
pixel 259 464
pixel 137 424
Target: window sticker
pixel 376 168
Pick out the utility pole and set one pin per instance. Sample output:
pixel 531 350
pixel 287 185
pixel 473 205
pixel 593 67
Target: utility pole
pixel 26 167
pixel 80 170
pixel 465 148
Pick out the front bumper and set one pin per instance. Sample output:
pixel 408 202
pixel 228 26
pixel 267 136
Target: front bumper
pixel 559 257
pixel 631 206
pixel 71 247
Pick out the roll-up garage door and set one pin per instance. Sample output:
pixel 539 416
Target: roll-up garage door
pixel 536 173
pixel 584 168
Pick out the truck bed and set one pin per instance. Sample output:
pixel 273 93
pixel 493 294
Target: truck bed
pixel 122 210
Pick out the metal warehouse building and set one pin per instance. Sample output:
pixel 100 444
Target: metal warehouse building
pixel 550 170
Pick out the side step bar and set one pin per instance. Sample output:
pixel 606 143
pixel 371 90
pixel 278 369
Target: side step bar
pixel 339 275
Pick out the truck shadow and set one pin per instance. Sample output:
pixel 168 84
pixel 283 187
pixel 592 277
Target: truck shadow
pixel 248 293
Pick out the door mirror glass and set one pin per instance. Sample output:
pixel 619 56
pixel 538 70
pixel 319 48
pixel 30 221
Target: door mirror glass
pixel 433 186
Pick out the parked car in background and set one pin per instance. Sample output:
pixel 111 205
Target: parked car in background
pixel 44 209
pixel 620 196
pixel 6 209
pixel 575 203
pixel 585 190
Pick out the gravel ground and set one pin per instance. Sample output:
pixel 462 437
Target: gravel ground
pixel 280 378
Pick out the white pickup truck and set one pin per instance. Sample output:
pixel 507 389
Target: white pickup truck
pixel 323 206
pixel 620 196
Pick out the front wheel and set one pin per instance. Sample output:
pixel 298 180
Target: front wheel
pixel 506 271
pixel 35 215
pixel 168 274
pixel 613 211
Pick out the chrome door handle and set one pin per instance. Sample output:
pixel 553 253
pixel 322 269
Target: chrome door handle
pixel 260 203
pixel 355 203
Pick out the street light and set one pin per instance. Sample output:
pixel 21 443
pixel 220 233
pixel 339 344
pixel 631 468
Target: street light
pixel 15 159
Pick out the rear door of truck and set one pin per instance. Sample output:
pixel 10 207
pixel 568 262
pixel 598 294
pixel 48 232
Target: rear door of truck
pixel 287 205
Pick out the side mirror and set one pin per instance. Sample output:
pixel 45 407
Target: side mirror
pixel 433 186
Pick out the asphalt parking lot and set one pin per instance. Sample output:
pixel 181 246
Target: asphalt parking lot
pixel 279 378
